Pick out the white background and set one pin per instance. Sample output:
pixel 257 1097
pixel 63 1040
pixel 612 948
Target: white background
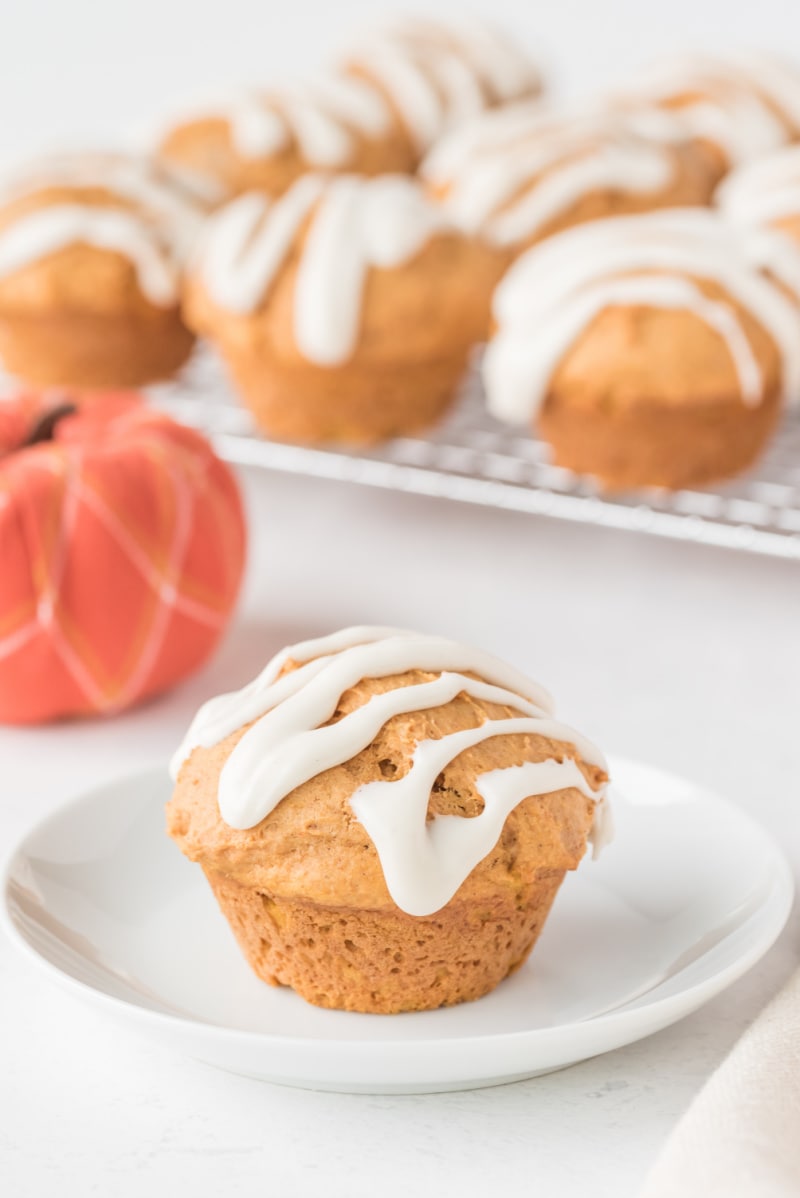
pixel 75 69
pixel 684 657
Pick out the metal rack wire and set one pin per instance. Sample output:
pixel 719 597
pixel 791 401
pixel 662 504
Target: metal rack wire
pixel 472 458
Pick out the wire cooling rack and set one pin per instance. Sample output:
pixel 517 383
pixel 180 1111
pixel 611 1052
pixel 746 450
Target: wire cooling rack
pixel 474 459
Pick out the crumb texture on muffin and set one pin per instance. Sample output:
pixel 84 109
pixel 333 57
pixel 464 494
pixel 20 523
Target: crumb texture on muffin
pixel 386 817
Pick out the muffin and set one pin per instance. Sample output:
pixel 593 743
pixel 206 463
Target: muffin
pixel 92 249
pixel 346 310
pixel 385 817
pixel 764 193
pixel 737 106
pixel 652 350
pixel 436 74
pixel 265 141
pixel 521 173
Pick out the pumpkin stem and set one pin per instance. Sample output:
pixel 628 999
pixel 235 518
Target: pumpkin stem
pixel 44 428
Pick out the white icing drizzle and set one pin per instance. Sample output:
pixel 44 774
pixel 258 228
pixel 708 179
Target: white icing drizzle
pixel 741 126
pixel 438 74
pixel 174 199
pixel 510 173
pixel 424 863
pixel 498 130
pixel 495 59
pixel 47 230
pixel 409 86
pixel 731 109
pixel 323 118
pixel 247 242
pixel 762 191
pixel 156 230
pixel 226 713
pixel 552 294
pixel 356 224
pixel 159 188
pixel 774 77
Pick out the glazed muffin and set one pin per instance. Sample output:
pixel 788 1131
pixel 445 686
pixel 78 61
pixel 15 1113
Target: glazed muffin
pixel 653 350
pixel 519 174
pixel 266 140
pixel 374 113
pixel 764 193
pixel 92 250
pixel 736 107
pixel 385 818
pixel 436 74
pixel 346 310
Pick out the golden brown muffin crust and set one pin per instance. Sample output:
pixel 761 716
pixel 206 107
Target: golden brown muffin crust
pixel 312 847
pixel 433 306
pixel 206 145
pixel 631 355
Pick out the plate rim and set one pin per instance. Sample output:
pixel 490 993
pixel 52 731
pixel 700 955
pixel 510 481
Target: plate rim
pixel 777 907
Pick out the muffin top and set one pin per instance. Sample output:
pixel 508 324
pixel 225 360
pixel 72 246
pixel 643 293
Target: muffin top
pixel 96 231
pixel 336 774
pixel 266 140
pixel 339 266
pixel 741 105
pixel 520 173
pixel 438 73
pixel 669 307
pixel 377 111
pixel 764 193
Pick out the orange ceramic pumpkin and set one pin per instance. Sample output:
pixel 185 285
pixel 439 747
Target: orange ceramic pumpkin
pixel 121 552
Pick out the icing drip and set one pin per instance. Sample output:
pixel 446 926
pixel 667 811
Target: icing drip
pixel 248 241
pixel 290 742
pixel 438 75
pixel 156 234
pixel 727 100
pixel 170 195
pixel 552 294
pixel 226 713
pixel 355 102
pixel 47 230
pixel 742 127
pixel 763 191
pixel 356 224
pixel 425 863
pixel 323 118
pixel 493 132
pixel 495 61
pixel 772 76
pixel 410 88
pixel 512 172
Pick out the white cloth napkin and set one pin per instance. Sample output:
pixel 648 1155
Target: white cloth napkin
pixel 740 1138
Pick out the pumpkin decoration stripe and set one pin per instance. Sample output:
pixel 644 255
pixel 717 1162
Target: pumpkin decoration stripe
pixel 123 548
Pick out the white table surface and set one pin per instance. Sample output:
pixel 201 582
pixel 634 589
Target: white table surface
pixel 685 657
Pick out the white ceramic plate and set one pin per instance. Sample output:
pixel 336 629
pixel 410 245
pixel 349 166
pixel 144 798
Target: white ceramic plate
pixel 688 897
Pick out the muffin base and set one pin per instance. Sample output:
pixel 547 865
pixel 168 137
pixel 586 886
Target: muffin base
pixel 384 961
pixel 345 405
pixel 94 351
pixel 657 445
